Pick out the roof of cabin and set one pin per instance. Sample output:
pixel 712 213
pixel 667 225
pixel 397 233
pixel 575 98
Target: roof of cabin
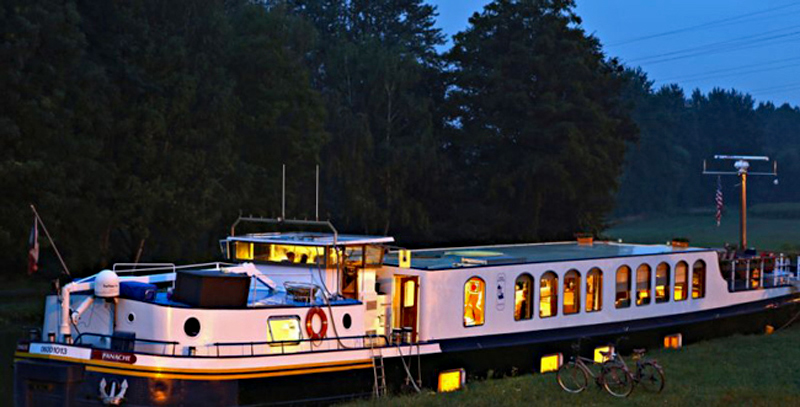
pixel 451 258
pixel 310 238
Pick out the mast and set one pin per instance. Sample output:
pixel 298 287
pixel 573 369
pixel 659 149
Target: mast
pixel 742 165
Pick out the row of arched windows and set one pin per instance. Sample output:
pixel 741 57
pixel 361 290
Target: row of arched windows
pixel 643 293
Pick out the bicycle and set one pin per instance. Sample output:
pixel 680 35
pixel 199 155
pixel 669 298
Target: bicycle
pixel 648 372
pixel 614 377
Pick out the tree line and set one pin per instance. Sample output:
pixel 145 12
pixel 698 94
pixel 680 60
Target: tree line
pixel 141 129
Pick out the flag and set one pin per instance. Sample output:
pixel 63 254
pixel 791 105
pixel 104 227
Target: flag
pixel 718 199
pixel 33 245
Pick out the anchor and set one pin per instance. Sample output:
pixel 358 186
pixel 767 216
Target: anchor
pixel 113 398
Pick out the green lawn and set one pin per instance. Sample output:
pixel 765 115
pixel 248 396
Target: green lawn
pixel 765 231
pixel 754 370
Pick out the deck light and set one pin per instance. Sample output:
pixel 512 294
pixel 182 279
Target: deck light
pixel 674 341
pixel 551 363
pixel 598 356
pixel 451 380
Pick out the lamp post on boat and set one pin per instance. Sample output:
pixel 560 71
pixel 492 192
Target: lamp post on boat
pixel 742 165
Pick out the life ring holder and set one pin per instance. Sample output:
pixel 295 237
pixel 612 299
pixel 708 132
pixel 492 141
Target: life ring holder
pixel 316 336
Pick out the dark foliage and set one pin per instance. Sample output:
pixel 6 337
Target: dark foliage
pixel 141 128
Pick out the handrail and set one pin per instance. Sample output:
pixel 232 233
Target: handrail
pixel 763 271
pixel 79 339
pixel 297 342
pixel 280 221
pixel 169 266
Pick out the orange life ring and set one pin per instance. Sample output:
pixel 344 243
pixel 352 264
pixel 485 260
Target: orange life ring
pixel 316 335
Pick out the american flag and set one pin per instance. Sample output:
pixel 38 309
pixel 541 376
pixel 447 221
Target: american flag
pixel 718 199
pixel 33 251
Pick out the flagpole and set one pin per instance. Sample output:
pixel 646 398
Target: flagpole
pixel 52 243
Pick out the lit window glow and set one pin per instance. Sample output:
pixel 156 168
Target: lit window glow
pixel 594 290
pixel 474 298
pixel 662 283
pixel 572 292
pixel 643 285
pixel 681 271
pixel 548 295
pixel 285 330
pixel 623 299
pixel 699 279
pixel 523 297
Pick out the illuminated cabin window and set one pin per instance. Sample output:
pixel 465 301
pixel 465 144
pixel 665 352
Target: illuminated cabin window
pixel 474 300
pixel 662 283
pixel 409 293
pixel 623 298
pixel 275 253
pixel 699 279
pixel 643 284
pixel 284 331
pixel 523 297
pixel 681 277
pixel 548 295
pixel 244 250
pixel 572 292
pixel 594 290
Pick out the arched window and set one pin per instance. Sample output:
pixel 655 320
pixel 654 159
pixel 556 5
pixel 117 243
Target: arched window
pixel 594 290
pixel 572 292
pixel 681 277
pixel 523 297
pixel 474 301
pixel 662 283
pixel 623 299
pixel 643 284
pixel 548 295
pixel 699 279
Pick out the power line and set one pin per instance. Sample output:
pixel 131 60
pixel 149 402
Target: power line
pixel 735 74
pixel 724 45
pixel 689 76
pixel 710 24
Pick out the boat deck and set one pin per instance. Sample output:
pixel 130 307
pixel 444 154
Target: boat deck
pixel 443 259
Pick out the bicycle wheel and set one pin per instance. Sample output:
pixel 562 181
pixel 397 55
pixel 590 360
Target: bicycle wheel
pixel 651 377
pixel 572 378
pixel 617 380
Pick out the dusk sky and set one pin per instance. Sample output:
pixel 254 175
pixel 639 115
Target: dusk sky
pixel 752 46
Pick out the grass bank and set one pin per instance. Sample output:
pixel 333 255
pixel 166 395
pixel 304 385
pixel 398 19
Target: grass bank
pixel 769 228
pixel 753 370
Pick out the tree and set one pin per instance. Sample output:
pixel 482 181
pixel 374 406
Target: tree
pixel 540 124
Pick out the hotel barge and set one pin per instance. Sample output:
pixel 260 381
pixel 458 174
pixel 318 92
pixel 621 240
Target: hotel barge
pixel 301 317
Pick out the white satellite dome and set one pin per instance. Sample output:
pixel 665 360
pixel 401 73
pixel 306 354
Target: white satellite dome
pixel 106 284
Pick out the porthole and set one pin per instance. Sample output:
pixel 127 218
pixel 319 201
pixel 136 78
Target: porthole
pixel 191 327
pixel 131 317
pixel 347 321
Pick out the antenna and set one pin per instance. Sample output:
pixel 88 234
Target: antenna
pixel 283 193
pixel 742 165
pixel 316 213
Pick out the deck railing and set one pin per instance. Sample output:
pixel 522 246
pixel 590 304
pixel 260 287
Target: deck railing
pixel 758 272
pixel 298 345
pixel 128 343
pixel 154 347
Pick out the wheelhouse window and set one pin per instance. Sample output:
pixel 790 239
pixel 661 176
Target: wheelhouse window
pixel 699 279
pixel 523 297
pixel 572 292
pixel 474 301
pixel 279 253
pixel 681 277
pixel 594 290
pixel 548 295
pixel 662 283
pixel 643 284
pixel 623 297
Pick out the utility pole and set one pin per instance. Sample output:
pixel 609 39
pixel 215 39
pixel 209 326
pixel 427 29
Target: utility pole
pixel 742 166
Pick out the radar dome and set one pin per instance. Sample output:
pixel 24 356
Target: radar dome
pixel 106 285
